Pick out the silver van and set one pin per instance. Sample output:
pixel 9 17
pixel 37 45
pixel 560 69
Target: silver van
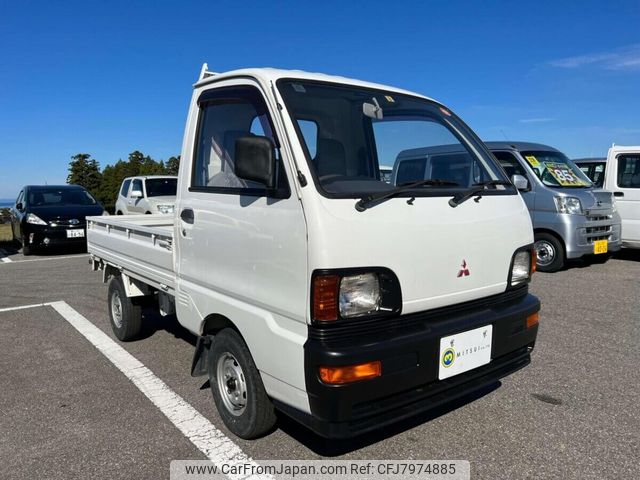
pixel 571 217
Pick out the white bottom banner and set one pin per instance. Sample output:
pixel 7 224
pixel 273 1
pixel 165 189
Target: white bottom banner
pixel 322 470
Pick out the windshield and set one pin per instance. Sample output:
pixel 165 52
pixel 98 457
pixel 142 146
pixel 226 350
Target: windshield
pixel 554 169
pixel 161 187
pixel 361 141
pixel 56 197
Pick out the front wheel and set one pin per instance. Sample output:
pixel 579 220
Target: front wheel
pixel 550 252
pixel 237 388
pixel 124 315
pixel 26 248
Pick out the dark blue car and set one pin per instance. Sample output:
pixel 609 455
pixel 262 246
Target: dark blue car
pixel 52 215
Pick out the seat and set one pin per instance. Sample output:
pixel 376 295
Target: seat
pixel 330 158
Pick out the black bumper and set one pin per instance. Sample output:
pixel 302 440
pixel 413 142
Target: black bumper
pixel 47 236
pixel 408 347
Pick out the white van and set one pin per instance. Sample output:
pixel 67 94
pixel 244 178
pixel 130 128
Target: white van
pixel 314 286
pixel 620 173
pixel 146 195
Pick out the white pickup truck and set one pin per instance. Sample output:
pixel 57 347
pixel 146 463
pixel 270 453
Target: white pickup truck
pixel 314 286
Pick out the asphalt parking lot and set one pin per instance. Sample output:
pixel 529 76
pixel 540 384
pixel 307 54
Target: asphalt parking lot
pixel 67 411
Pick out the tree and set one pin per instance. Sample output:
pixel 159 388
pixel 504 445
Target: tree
pixel 173 165
pixel 85 171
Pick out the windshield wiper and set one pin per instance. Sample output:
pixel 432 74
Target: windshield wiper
pixel 477 189
pixel 369 200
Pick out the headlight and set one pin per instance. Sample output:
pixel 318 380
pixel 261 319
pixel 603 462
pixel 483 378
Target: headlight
pixel 359 295
pixel 165 208
pixel 35 220
pixel 568 205
pixel 354 293
pixel 522 267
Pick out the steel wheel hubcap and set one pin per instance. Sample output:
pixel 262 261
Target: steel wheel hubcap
pixel 546 252
pixel 116 309
pixel 231 384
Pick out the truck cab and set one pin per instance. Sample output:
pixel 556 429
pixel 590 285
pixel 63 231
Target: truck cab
pixel 571 217
pixel 314 286
pixel 622 177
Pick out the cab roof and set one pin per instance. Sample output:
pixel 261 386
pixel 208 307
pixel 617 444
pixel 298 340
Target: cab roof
pixel 267 75
pixel 520 146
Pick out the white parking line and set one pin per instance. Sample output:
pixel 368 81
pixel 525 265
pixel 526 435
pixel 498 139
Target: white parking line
pixel 22 307
pixel 193 425
pixel 4 257
pixel 83 255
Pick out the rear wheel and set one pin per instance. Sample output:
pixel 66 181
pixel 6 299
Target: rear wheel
pixel 237 388
pixel 119 212
pixel 550 252
pixel 124 314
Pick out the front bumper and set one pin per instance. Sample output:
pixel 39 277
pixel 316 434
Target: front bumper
pixel 39 236
pixel 578 232
pixel 409 348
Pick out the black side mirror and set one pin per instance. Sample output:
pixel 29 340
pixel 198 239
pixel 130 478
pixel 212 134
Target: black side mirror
pixel 19 206
pixel 255 160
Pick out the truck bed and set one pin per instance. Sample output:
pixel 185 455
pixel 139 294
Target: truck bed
pixel 139 245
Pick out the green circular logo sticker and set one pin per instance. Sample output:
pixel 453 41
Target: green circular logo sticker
pixel 448 357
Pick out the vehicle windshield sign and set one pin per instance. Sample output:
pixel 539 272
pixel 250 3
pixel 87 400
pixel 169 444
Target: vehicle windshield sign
pixel 554 169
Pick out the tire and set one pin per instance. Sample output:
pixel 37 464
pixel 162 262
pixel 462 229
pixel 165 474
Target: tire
pixel 125 316
pixel 237 388
pixel 550 251
pixel 118 212
pixel 147 213
pixel 26 249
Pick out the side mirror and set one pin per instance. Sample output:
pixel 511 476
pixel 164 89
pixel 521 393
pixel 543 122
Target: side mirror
pixel 136 194
pixel 520 182
pixel 19 206
pixel 255 160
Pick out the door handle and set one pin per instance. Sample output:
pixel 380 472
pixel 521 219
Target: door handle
pixel 618 194
pixel 187 216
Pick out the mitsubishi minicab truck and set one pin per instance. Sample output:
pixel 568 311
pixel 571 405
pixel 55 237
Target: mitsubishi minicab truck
pixel 314 287
pixel 620 174
pixel 571 217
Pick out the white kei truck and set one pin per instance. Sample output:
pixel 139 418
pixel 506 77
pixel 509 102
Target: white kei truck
pixel 314 287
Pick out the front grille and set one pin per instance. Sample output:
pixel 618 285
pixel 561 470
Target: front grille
pixel 67 223
pixel 599 218
pixel 413 321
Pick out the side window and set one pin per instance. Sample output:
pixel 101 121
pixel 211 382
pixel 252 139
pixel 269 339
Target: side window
pixel 137 185
pixel 510 164
pixel 309 130
pixel 20 197
pixel 629 171
pixel 125 187
pixel 225 116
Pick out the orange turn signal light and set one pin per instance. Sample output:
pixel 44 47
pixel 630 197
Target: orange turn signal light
pixel 350 373
pixel 325 297
pixel 534 261
pixel 533 319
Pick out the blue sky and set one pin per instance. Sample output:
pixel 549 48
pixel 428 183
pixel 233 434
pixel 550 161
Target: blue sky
pixel 107 78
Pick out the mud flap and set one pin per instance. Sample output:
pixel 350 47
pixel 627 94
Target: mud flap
pixel 201 356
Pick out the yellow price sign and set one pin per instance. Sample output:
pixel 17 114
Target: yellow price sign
pixel 533 161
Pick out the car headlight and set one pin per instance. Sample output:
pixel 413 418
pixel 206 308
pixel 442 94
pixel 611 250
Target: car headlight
pixel 523 265
pixel 35 220
pixel 355 293
pixel 165 208
pixel 359 295
pixel 568 205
